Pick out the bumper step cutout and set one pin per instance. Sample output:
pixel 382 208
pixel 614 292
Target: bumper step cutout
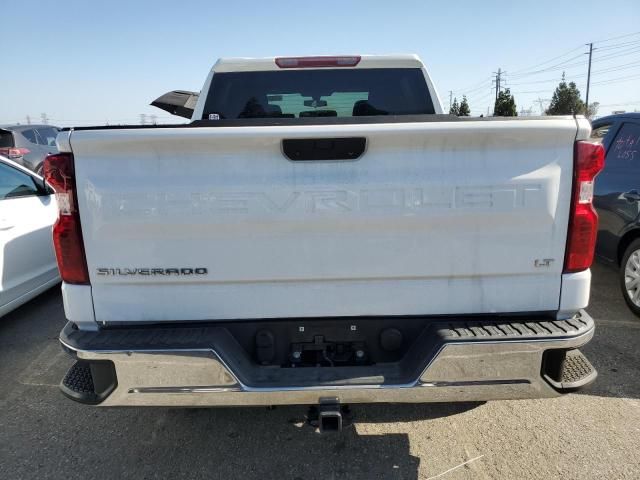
pixel 568 370
pixel 89 382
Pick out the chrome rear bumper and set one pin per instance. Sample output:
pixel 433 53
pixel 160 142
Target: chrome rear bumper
pixel 470 364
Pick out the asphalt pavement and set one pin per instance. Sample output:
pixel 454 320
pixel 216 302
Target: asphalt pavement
pixel 587 435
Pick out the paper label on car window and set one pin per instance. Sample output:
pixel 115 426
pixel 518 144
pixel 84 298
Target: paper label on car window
pixel 214 116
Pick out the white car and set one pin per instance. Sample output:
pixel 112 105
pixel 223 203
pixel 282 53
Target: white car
pixel 28 211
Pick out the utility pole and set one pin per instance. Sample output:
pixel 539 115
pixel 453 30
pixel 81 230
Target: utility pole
pixel 589 77
pixel 450 99
pixel 28 120
pixel 498 75
pixel 143 119
pixel 44 118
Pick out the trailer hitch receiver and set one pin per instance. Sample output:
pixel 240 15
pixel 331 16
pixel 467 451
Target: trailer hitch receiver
pixel 329 415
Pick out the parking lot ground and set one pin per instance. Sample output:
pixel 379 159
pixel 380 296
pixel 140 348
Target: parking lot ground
pixel 594 434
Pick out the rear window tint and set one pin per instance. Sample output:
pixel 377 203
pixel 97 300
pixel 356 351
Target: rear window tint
pixel 30 135
pixel 598 134
pixel 47 136
pixel 6 139
pixel 318 93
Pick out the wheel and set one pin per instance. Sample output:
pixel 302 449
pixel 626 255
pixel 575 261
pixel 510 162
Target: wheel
pixel 630 276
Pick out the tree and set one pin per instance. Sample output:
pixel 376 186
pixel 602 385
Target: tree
pixel 454 109
pixel 505 105
pixel 566 100
pixel 463 109
pixel 593 109
pixel 460 110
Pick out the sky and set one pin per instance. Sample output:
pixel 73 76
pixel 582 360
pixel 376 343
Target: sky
pixel 86 62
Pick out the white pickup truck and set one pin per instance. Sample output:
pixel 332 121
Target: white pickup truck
pixel 322 233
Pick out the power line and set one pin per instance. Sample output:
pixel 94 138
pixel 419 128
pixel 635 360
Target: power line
pixel 480 98
pixel 565 64
pixel 619 45
pixel 485 84
pixel 485 99
pixel 606 51
pixel 560 68
pixel 616 80
pixel 546 69
pixel 616 38
pixel 614 68
pixel 620 54
pixel 548 61
pixel 548 80
pixel 631 47
pixel 630 102
pixel 474 86
pixel 576 64
pixel 530 91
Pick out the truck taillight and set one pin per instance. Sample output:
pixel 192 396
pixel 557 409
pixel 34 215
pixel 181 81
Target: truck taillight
pixel 583 219
pixel 67 234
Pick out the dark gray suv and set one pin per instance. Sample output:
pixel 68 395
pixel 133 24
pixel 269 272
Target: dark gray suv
pixel 28 144
pixel 617 201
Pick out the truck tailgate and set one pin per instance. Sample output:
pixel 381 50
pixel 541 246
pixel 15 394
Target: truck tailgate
pixel 433 218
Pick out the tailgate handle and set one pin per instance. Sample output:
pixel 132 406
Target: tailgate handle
pixel 310 149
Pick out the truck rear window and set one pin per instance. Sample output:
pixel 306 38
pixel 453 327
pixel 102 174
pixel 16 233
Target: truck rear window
pixel 318 93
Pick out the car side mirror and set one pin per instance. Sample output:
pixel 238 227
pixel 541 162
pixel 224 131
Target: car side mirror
pixel 42 186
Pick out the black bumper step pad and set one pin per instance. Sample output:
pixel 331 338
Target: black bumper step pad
pixel 576 369
pixel 572 371
pixel 89 382
pixel 78 378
